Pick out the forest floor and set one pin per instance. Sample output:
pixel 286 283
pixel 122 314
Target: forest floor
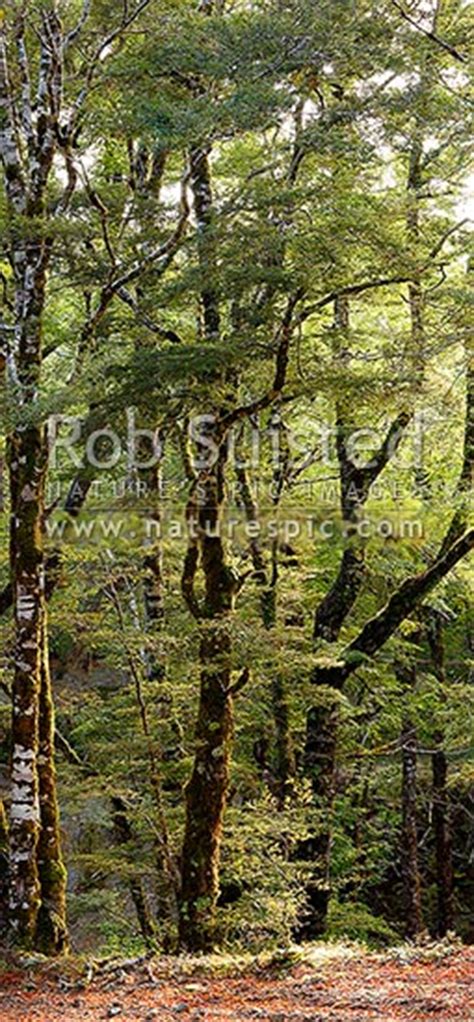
pixel 328 984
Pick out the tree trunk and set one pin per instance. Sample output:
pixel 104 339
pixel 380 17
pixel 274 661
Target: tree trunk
pixel 204 212
pixel 329 617
pixel 51 935
pixel 355 485
pixel 3 868
pixel 441 801
pixel 206 793
pixel 320 768
pixel 443 843
pixel 284 755
pixel 378 629
pixel 26 459
pixel 410 870
pixel 338 602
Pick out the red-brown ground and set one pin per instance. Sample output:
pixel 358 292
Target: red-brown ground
pixel 344 987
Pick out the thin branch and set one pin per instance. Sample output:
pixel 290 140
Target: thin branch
pixel 369 285
pixel 73 34
pixel 430 34
pixel 351 289
pixel 283 336
pixel 144 320
pixel 444 237
pixel 153 754
pixel 389 446
pixel 63 203
pixel 127 20
pixel 96 202
pixel 163 254
pixel 158 261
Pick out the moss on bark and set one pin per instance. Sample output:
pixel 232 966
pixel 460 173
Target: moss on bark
pixel 51 930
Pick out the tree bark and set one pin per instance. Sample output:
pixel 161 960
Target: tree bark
pixel 320 767
pixel 26 460
pixel 329 617
pixel 371 638
pixel 37 878
pixel 443 843
pixel 206 793
pixel 3 868
pixel 355 483
pixel 32 129
pixel 51 935
pixel 441 813
pixel 409 857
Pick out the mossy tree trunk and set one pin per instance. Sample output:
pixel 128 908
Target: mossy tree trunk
pixel 51 937
pixel 321 721
pixel 320 767
pixel 410 870
pixel 36 875
pixel 125 836
pixel 3 867
pixel 206 792
pixel 409 847
pixel 441 812
pixel 27 568
pixel 443 841
pixel 27 162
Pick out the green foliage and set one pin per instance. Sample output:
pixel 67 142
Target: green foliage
pixel 311 116
pixel 355 921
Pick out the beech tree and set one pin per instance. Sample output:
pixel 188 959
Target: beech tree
pixel 42 108
pixel 239 232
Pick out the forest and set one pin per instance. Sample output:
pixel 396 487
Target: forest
pixel 237 457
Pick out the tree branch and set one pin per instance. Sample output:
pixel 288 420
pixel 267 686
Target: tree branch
pixel 283 336
pixel 430 34
pixel 127 20
pixel 73 34
pixel 401 604
pixel 371 471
